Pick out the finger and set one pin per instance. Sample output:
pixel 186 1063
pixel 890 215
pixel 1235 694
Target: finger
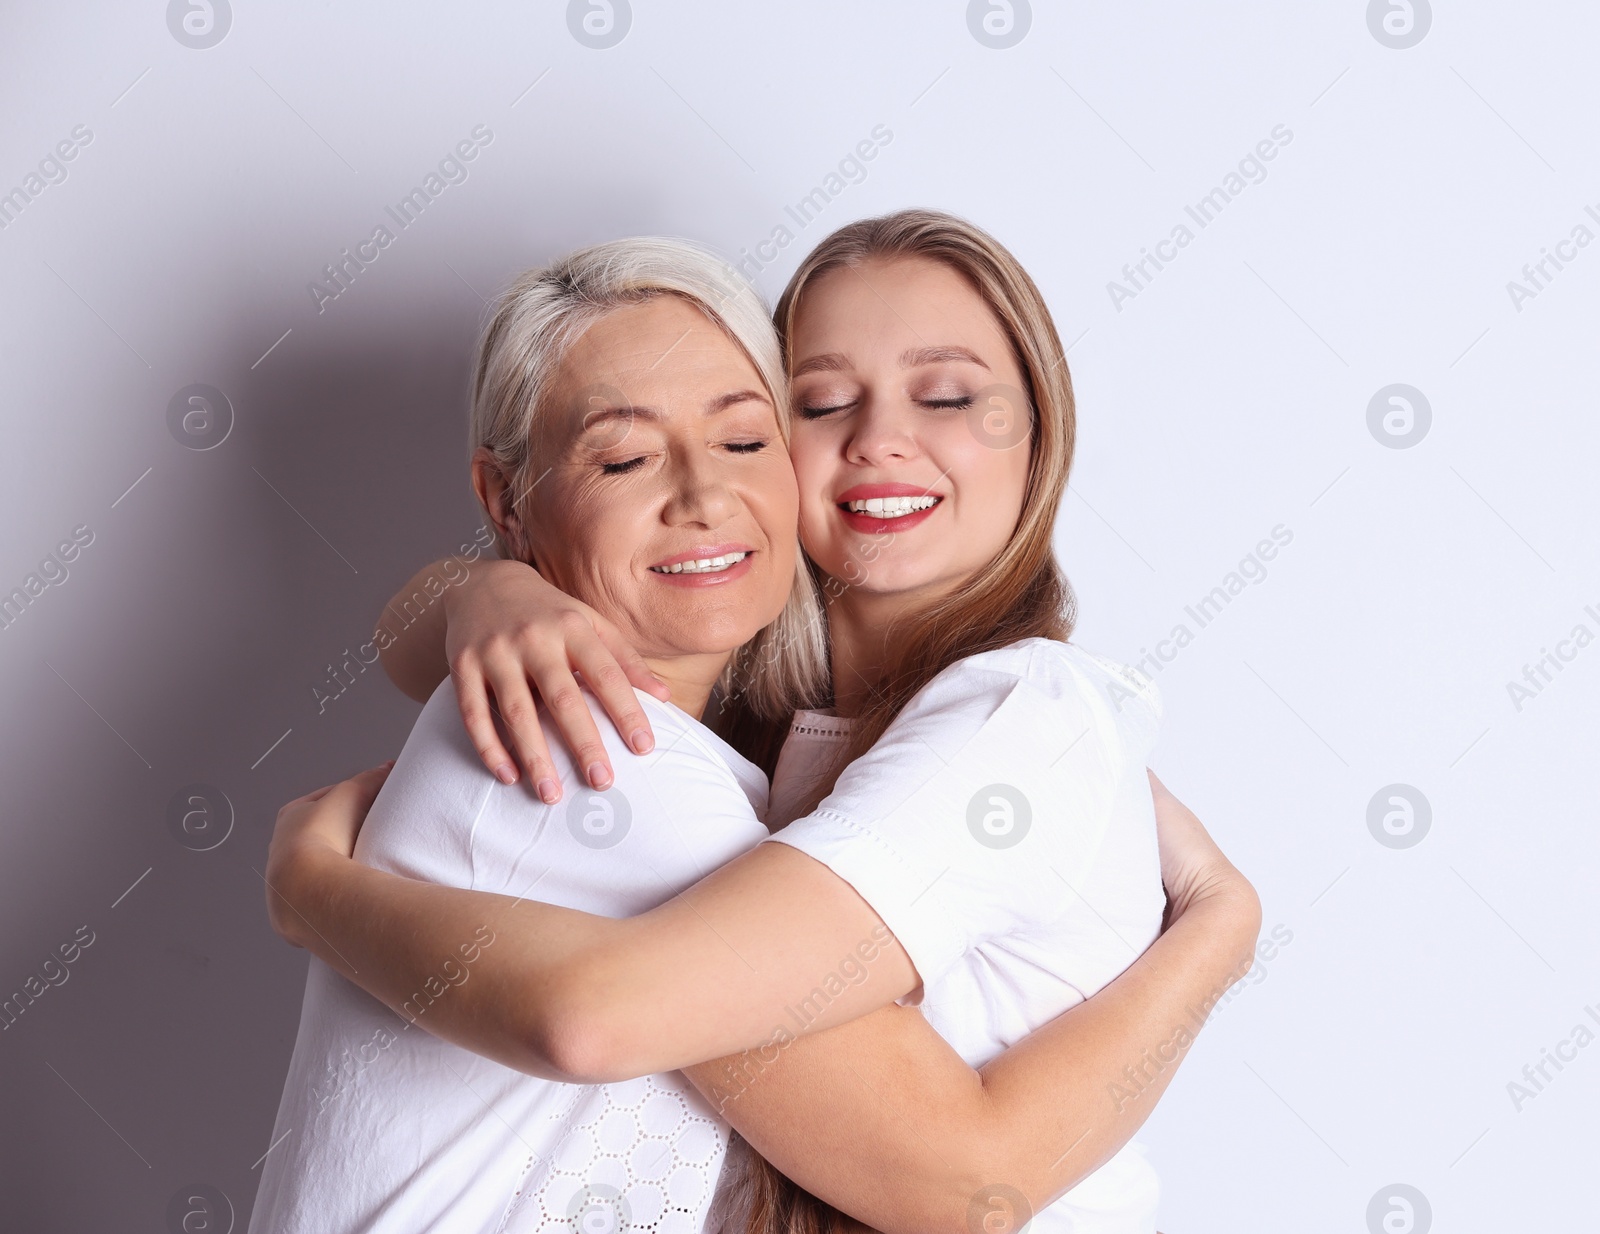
pixel 520 715
pixel 637 671
pixel 473 701
pixel 563 696
pixel 614 686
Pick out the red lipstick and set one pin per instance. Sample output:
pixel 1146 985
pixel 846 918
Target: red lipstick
pixel 892 496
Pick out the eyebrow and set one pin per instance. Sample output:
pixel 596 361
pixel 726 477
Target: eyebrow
pixel 940 355
pixel 836 362
pixel 630 412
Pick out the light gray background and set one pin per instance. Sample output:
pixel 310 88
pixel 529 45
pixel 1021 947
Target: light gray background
pixel 1228 397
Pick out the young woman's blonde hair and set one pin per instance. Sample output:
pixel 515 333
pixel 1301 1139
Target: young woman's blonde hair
pixel 535 322
pixel 1020 594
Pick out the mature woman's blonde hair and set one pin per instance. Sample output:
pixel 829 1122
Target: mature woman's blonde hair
pixel 1020 594
pixel 544 312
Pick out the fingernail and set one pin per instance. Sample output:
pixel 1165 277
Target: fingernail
pixel 506 773
pixel 599 775
pixel 549 792
pixel 641 742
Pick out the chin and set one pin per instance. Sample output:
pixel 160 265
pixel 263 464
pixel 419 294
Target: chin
pixel 886 576
pixel 707 637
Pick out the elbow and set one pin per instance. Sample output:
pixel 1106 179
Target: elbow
pixel 575 1050
pixel 960 1207
pixel 992 1196
pixel 980 1190
pixel 1246 902
pixel 1237 906
pixel 579 1037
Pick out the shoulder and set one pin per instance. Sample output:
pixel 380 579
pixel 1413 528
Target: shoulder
pixel 1035 691
pixel 1063 672
pixel 440 745
pixel 690 772
pixel 1057 667
pixel 438 779
pixel 1061 668
pixel 683 741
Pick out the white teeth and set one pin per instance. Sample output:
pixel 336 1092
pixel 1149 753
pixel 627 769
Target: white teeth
pixel 703 565
pixel 891 507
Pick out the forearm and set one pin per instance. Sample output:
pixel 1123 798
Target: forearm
pixel 457 963
pixel 1065 1099
pixel 575 996
pixel 835 1112
pixel 873 1117
pixel 410 631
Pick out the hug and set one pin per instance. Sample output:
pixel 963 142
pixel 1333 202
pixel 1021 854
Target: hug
pixel 846 897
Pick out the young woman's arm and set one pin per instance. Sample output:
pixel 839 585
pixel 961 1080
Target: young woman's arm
pixel 411 629
pixel 570 995
pixel 882 1119
pixel 495 626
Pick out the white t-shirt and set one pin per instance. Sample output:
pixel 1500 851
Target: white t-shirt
pixel 383 1127
pixel 1004 828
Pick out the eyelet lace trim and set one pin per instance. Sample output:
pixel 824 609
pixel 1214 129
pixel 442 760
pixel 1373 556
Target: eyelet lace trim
pixel 815 724
pixel 632 1156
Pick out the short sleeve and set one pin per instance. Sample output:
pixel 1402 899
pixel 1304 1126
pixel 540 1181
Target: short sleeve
pixel 985 800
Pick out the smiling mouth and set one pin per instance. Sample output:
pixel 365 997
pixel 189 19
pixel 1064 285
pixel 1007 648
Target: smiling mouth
pixel 702 565
pixel 890 507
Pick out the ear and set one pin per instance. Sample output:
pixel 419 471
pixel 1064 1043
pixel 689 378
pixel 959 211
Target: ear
pixel 494 489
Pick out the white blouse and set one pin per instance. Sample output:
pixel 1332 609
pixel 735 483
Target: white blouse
pixel 1004 828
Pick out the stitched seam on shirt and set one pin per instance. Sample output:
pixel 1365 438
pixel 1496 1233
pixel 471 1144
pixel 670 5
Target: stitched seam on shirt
pixel 472 832
pixel 687 730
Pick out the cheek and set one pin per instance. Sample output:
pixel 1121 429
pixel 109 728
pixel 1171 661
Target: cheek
pixel 774 502
pixel 1018 462
pixel 578 534
pixel 991 484
pixel 814 476
pixel 813 455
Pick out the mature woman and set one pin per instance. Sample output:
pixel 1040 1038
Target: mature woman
pixel 386 1127
pixel 975 716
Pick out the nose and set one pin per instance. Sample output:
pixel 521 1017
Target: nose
pixel 881 432
pixel 700 495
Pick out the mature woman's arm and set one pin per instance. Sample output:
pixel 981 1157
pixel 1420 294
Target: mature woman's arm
pixel 882 1119
pixel 495 626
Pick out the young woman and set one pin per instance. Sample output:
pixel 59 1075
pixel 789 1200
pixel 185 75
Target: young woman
pixel 992 831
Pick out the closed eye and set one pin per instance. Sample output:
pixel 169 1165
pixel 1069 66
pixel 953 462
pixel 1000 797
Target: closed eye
pixel 816 413
pixel 747 447
pixel 949 404
pixel 618 469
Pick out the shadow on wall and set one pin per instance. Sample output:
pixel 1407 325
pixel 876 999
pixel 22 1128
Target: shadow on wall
pixel 169 705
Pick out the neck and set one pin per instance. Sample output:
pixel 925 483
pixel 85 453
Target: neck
pixel 690 678
pixel 858 623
